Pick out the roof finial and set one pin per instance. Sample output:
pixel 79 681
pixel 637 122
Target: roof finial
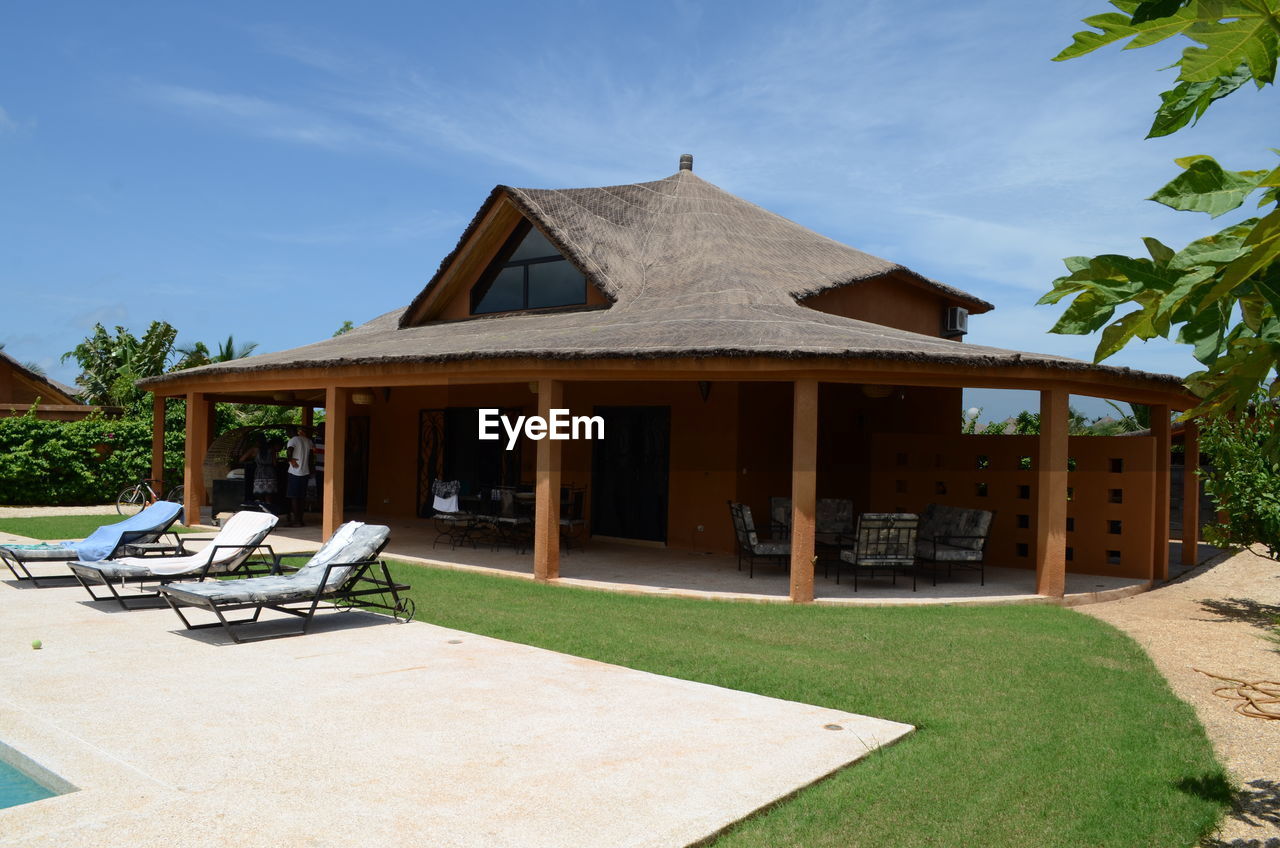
pixel 686 161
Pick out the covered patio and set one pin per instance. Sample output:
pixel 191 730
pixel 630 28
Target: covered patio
pixel 620 567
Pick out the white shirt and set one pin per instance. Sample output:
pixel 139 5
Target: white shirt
pixel 299 448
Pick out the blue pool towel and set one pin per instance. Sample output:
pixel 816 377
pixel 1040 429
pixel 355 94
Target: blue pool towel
pixel 105 539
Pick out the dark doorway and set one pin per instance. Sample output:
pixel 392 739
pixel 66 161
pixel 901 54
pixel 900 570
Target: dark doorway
pixel 629 471
pixel 449 448
pixel 355 494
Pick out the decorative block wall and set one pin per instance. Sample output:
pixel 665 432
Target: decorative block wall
pixel 1110 513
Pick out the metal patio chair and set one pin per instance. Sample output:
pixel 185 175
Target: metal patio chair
pixel 884 541
pixel 750 546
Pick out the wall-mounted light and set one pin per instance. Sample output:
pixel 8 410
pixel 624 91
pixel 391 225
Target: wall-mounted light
pixel 874 391
pixel 362 398
pixel 704 389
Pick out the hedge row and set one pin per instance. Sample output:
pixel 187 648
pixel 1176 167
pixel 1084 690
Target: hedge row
pixel 60 463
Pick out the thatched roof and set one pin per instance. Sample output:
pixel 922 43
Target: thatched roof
pixel 691 270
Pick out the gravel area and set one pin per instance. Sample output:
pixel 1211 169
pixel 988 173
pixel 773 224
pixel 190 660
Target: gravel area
pixel 1219 618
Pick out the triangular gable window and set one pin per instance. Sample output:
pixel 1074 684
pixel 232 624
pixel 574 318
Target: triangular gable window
pixel 528 273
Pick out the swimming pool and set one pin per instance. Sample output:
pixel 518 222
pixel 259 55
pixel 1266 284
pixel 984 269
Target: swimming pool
pixel 16 788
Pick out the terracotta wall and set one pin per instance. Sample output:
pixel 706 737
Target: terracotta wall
pixel 703 447
pixel 892 301
pixel 735 445
pixel 1110 513
pixel 851 416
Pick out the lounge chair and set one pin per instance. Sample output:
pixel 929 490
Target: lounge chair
pixel 137 534
pixel 885 541
pixel 345 570
pixel 228 552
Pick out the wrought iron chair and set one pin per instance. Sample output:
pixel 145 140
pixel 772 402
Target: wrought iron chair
pixel 750 546
pixel 572 521
pixel 954 537
pixel 885 541
pixel 451 523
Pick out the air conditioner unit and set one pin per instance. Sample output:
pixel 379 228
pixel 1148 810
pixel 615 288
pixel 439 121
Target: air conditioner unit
pixel 955 321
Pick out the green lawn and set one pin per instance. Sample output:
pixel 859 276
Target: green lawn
pixel 63 526
pixel 1036 725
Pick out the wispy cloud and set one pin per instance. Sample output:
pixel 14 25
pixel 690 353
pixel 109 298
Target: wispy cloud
pixel 260 116
pixel 371 233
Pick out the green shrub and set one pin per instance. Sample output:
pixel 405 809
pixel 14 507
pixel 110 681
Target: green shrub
pixel 1245 481
pixel 59 463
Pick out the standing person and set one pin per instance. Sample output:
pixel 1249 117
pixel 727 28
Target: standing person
pixel 263 454
pixel 299 448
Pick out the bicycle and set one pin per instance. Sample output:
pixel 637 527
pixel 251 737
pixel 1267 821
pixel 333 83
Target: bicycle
pixel 132 499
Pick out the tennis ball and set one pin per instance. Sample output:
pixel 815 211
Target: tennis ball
pixel 36 645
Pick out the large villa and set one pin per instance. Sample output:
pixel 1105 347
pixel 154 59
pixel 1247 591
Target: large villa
pixel 734 356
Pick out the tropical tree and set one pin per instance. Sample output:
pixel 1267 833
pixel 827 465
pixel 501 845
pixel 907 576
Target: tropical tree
pixel 111 365
pixel 1221 293
pixel 198 353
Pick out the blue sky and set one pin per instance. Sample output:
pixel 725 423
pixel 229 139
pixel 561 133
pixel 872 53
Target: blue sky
pixel 271 170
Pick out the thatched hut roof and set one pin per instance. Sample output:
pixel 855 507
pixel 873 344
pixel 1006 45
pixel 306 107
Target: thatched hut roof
pixel 691 270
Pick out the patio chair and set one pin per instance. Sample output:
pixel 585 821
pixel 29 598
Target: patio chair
pixel 345 571
pixel 780 518
pixel 451 523
pixel 510 526
pixel 572 520
pixel 884 541
pixel 955 537
pixel 833 525
pixel 227 553
pixel 750 546
pixel 136 535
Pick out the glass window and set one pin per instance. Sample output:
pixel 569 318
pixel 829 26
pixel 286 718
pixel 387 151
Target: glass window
pixel 505 293
pixel 534 246
pixel 555 284
pixel 532 276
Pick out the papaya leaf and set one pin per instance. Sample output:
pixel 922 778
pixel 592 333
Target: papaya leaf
pixel 1248 39
pixel 1118 333
pixel 1087 313
pixel 1264 244
pixel 1186 102
pixel 1205 186
pixel 1150 10
pixel 1206 332
pixel 1116 26
pixel 1160 252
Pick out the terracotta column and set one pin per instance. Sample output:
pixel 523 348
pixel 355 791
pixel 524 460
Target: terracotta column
pixel 804 487
pixel 546 511
pixel 1051 495
pixel 308 415
pixel 1160 494
pixel 336 402
pixel 197 444
pixel 1190 494
pixel 157 443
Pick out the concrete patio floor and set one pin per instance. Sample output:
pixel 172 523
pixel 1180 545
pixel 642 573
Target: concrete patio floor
pixel 618 566
pixel 370 732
